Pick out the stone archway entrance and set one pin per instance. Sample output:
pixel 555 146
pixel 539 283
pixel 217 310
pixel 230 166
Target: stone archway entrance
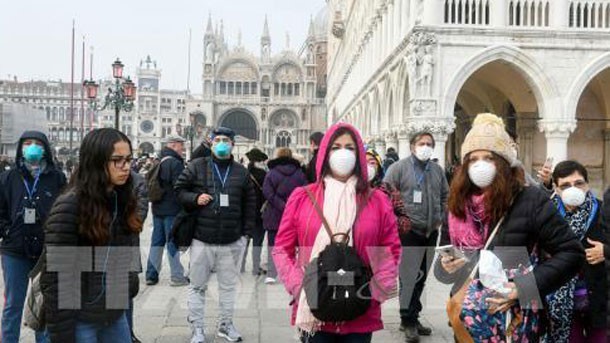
pixel 511 97
pixel 242 122
pixel 593 127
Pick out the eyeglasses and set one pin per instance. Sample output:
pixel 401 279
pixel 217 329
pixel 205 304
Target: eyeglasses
pixel 120 162
pixel 577 184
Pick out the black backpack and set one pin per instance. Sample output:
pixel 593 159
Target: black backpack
pixel 336 283
pixel 155 190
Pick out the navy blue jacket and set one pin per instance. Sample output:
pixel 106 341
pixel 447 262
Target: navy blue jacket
pixel 19 239
pixel 169 172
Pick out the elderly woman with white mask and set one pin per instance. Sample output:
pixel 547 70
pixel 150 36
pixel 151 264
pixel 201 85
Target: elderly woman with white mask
pixel 578 309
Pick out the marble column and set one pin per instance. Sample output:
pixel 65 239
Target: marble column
pixel 433 12
pixel 404 149
pixel 440 151
pixel 526 127
pixel 557 134
pixel 560 14
pixel 390 141
pixel 380 147
pixel 498 12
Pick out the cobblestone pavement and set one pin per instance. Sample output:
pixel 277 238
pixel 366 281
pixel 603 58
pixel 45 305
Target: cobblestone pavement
pixel 261 313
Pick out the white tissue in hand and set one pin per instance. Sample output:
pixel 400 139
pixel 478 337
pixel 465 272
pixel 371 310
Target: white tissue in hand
pixel 491 273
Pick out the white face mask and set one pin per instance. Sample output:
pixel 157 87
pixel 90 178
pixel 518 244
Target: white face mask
pixel 372 171
pixel 482 173
pixel 342 162
pixel 573 196
pixel 423 152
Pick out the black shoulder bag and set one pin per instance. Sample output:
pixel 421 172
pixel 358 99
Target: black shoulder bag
pixel 183 228
pixel 336 283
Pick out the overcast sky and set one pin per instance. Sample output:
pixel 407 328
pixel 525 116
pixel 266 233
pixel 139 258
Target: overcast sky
pixel 35 35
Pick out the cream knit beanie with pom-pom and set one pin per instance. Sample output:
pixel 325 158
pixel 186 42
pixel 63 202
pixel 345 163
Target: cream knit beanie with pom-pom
pixel 488 133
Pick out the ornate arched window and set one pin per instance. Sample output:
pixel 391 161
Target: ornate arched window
pixel 283 139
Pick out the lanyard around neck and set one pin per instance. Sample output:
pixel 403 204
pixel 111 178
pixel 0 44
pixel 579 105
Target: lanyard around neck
pixel 31 191
pixel 420 177
pixel 223 180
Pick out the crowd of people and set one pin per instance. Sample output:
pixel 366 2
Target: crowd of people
pixel 528 258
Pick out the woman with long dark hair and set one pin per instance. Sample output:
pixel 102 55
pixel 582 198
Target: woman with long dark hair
pixel 91 246
pixel 490 209
pixel 366 222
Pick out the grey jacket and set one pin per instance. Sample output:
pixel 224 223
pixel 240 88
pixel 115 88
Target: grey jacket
pixel 427 215
pixel 141 190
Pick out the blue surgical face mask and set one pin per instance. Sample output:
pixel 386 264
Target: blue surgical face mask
pixel 33 153
pixel 222 149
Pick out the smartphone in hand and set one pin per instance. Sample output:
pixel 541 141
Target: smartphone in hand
pixel 450 251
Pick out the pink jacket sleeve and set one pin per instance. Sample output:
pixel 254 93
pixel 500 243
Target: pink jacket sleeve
pixel 385 257
pixel 286 242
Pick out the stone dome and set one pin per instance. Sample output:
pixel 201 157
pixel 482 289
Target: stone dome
pixel 320 24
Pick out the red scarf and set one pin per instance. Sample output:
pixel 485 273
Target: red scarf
pixel 471 233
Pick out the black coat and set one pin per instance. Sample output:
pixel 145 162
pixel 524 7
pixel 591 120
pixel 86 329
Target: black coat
pixel 19 239
pixel 532 222
pixel 215 224
pixel 606 228
pixel 62 231
pixel 595 276
pixel 169 171
pixel 310 171
pixel 259 175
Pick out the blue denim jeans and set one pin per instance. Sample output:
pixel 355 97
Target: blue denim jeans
pixel 15 272
pixel 116 332
pixel 162 228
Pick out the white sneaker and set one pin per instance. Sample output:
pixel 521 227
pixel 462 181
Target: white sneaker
pixel 229 332
pixel 269 280
pixel 198 336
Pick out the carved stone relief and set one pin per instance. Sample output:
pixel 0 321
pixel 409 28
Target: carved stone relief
pixel 420 63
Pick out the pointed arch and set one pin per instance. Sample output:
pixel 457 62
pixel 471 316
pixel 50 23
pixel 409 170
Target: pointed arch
pixel 375 110
pixel 545 92
pixel 578 87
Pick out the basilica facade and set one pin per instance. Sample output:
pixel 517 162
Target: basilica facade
pixel 270 100
pixel 400 66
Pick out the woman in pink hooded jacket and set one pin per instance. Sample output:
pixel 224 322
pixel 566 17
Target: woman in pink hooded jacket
pixel 341 189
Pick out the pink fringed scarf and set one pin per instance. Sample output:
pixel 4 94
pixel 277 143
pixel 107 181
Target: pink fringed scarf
pixel 471 233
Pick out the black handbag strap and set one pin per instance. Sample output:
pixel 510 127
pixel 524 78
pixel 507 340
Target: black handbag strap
pixel 260 188
pixel 330 233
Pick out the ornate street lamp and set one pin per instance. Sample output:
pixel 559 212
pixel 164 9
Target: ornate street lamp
pixel 121 97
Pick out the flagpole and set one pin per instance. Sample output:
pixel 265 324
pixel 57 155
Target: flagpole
pixel 72 92
pixel 91 111
pixel 82 96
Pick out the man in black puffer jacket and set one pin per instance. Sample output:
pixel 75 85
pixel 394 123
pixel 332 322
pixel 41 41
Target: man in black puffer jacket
pixel 221 194
pixel 27 193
